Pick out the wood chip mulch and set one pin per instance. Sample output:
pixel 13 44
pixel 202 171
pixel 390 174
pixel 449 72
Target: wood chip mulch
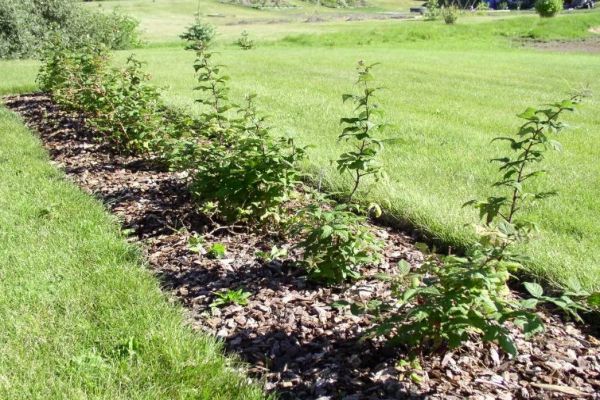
pixel 289 334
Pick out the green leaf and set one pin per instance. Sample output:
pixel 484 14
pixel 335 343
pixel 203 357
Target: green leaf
pixel 534 289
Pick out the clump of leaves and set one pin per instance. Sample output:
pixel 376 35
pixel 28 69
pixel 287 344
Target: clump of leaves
pixel 230 296
pixel 455 298
pixel 196 244
pixel 360 129
pixel 336 241
pixel 274 254
pixel 128 111
pixel 245 42
pixel 217 250
pixel 199 35
pixel 433 10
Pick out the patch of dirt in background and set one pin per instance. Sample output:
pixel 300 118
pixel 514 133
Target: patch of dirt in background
pixel 590 45
pixel 289 333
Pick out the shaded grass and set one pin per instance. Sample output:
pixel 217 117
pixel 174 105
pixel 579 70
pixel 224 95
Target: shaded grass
pixel 80 317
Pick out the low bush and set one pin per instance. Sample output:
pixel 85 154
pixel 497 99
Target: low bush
pixel 245 42
pixel 548 8
pixel 27 25
pixel 450 14
pixel 243 172
pixel 336 241
pixel 119 103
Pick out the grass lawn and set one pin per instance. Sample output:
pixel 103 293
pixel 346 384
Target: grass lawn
pixel 81 317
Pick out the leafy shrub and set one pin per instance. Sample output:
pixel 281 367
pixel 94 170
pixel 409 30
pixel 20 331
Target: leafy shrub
pixel 336 241
pixel 457 297
pixel 198 35
pixel 548 8
pixel 533 139
pixel 242 172
pixel 128 111
pixel 26 25
pixel 245 42
pixel 359 130
pixel 251 176
pixel 450 14
pixel 120 103
pixel 482 8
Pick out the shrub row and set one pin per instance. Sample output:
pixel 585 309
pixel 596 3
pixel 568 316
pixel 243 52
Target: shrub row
pixel 241 175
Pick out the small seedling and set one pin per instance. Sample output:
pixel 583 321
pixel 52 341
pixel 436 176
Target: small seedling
pixel 217 250
pixel 230 296
pixel 195 244
pixel 274 254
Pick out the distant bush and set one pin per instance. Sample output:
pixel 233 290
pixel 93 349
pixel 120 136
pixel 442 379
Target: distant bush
pixel 198 35
pixel 450 14
pixel 26 25
pixel 548 8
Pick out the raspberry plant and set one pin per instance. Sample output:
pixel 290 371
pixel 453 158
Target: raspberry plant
pixel 452 299
pixel 336 240
pixel 360 130
pixel 529 147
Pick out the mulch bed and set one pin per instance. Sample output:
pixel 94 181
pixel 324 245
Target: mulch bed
pixel 289 334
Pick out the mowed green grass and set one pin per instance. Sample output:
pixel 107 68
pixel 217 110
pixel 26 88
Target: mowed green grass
pixel 80 317
pixel 446 106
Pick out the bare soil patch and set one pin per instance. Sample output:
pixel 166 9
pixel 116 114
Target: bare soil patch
pixel 590 45
pixel 289 333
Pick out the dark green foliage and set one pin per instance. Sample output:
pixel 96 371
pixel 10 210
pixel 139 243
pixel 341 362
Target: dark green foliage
pixel 548 8
pixel 26 26
pixel 336 241
pixel 359 130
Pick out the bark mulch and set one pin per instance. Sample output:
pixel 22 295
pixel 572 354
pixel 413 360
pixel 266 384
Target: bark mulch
pixel 289 333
